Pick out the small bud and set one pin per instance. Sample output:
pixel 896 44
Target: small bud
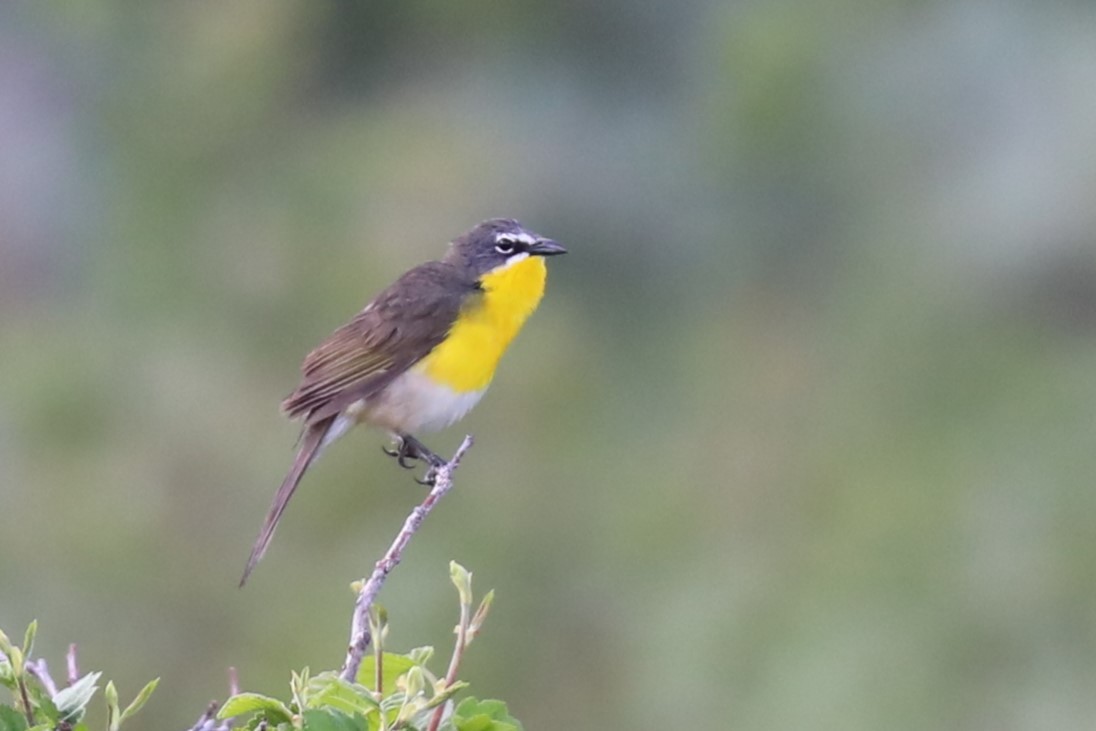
pixel 462 579
pixel 379 615
pixel 421 655
pixel 111 693
pixel 114 716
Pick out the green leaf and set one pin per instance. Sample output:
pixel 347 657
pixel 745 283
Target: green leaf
pixel 328 719
pixel 242 703
pixel 480 615
pixel 329 690
pixel 11 719
pixel 488 715
pixel 72 701
pixel 485 603
pixel 5 643
pixel 7 675
pixel 298 686
pixel 47 710
pixel 393 667
pixel 28 638
pixel 443 695
pixel 141 699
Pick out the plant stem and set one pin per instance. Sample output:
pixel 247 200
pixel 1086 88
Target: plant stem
pixel 454 662
pixel 21 681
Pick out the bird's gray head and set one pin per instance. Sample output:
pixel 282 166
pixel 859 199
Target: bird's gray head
pixel 498 242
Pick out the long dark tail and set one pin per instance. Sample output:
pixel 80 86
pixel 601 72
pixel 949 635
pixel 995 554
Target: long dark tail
pixel 311 441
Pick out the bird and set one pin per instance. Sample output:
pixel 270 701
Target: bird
pixel 420 355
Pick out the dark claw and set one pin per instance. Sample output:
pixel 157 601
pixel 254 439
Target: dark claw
pixel 409 450
pixel 431 476
pixel 404 451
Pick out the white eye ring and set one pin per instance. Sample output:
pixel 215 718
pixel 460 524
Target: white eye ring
pixel 505 246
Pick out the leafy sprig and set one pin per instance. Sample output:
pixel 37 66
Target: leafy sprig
pixel 391 692
pixel 40 705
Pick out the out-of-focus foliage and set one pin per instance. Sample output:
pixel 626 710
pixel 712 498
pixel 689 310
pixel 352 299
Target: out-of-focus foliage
pixel 801 437
pixel 41 703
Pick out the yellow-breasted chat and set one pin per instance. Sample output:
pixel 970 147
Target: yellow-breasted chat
pixel 420 355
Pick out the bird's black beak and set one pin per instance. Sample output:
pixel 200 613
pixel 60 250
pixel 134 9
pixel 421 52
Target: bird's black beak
pixel 546 247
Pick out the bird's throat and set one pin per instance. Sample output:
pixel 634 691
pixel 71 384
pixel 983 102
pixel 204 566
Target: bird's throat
pixel 466 360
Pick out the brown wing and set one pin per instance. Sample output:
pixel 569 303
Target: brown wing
pixel 397 329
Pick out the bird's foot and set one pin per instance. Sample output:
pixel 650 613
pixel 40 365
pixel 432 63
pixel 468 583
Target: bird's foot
pixel 403 452
pixel 409 450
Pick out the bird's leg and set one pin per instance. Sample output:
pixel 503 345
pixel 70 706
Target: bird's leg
pixel 420 451
pixel 410 448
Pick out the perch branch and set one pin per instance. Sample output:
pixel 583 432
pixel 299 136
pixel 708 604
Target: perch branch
pixel 360 636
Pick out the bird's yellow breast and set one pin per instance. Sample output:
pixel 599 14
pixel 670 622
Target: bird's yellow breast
pixel 466 359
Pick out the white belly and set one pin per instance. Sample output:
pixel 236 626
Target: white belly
pixel 414 403
pixel 411 404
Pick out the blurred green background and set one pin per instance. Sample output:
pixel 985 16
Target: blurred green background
pixel 801 437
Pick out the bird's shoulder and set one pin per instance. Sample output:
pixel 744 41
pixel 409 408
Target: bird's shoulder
pixel 430 289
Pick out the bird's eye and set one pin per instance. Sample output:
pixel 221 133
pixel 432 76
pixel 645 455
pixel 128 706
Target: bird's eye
pixel 505 247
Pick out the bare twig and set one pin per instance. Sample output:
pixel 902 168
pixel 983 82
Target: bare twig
pixel 360 636
pixel 28 710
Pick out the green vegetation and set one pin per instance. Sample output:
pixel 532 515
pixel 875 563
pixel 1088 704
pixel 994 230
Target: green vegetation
pixel 391 691
pixel 36 706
